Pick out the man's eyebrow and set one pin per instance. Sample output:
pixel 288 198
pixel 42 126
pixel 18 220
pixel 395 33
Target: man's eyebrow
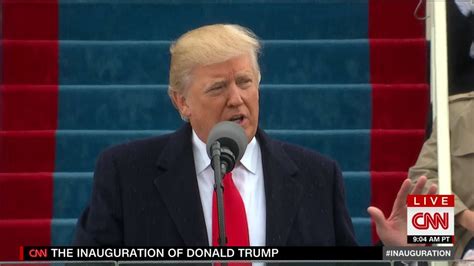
pixel 244 75
pixel 244 72
pixel 221 81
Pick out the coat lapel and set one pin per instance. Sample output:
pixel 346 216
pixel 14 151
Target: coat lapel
pixel 283 190
pixel 177 185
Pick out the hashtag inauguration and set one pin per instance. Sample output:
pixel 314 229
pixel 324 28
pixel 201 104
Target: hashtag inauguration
pixel 419 253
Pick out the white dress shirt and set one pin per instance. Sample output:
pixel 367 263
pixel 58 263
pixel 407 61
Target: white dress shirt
pixel 248 178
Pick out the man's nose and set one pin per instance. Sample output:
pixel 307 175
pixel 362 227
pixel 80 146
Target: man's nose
pixel 235 95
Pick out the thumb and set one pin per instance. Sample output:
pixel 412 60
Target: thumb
pixel 378 217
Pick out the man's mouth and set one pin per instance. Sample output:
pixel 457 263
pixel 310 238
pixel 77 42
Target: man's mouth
pixel 239 119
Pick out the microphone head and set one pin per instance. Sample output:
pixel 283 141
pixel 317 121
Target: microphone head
pixel 229 135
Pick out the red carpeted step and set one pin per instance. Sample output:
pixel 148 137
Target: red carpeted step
pixel 30 62
pixel 28 107
pixel 398 61
pixel 27 151
pixel 30 19
pixel 27 195
pixel 395 150
pixel 16 233
pixel 399 106
pixel 394 19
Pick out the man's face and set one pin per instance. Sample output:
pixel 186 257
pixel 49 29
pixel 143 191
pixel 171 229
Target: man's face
pixel 226 91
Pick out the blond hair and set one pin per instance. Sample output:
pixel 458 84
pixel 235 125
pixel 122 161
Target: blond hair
pixel 209 45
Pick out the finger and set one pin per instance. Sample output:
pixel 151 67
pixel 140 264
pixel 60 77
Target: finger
pixel 378 217
pixel 433 189
pixel 401 199
pixel 420 184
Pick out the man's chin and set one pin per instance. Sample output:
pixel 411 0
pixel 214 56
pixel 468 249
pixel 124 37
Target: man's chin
pixel 250 132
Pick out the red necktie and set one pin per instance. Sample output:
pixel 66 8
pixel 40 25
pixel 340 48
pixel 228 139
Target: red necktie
pixel 236 226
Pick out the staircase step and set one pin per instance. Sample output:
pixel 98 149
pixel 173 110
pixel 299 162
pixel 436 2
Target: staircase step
pixel 358 194
pixel 62 231
pixel 149 20
pixel 395 150
pixel 149 107
pixel 30 62
pixel 26 195
pixel 28 107
pixel 395 19
pixel 351 148
pixel 29 20
pixel 144 107
pixel 270 19
pixel 399 61
pixel 362 229
pixel 71 194
pixel 282 62
pixel 27 151
pixel 400 106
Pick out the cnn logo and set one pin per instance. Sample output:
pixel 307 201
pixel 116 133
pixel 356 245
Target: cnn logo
pixel 33 253
pixel 430 218
pixel 423 221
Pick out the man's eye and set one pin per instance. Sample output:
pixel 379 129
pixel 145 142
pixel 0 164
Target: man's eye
pixel 218 87
pixel 244 82
pixel 215 88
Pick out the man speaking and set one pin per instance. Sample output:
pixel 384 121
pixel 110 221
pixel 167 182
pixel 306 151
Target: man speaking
pixel 160 191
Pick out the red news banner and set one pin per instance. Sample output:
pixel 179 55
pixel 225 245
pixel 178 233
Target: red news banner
pixel 430 219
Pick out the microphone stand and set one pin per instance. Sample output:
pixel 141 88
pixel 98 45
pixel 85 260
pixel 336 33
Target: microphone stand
pixel 219 170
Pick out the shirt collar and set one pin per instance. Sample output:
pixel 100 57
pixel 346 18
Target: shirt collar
pixel 249 160
pixel 202 161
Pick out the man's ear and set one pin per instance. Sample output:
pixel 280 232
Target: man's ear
pixel 180 102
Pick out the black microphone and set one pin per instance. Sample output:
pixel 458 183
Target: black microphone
pixel 230 138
